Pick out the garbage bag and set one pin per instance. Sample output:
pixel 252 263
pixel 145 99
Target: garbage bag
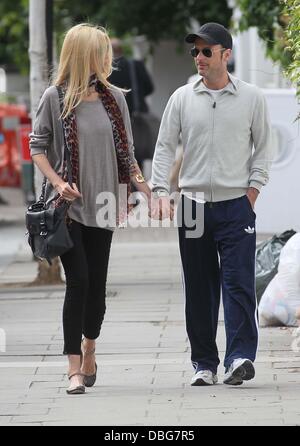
pixel 280 302
pixel 267 260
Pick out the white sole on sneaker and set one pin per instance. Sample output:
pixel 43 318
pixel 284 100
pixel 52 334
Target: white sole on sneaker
pixel 201 381
pixel 243 372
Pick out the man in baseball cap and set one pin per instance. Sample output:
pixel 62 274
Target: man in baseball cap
pixel 219 119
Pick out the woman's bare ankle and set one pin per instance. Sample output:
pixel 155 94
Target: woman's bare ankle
pixel 88 345
pixel 74 364
pixel 89 359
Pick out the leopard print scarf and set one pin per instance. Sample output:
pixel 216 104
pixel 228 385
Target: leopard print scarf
pixel 119 135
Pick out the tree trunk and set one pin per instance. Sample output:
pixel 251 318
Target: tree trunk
pixel 48 275
pixel 37 52
pixel 39 76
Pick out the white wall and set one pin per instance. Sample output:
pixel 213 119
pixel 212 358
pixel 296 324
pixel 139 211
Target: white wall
pixel 251 64
pixel 278 204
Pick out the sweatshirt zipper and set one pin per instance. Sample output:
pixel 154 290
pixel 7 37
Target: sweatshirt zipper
pixel 212 142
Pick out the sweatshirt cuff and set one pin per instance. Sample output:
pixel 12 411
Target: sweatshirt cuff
pixel 37 152
pixel 160 189
pixel 256 185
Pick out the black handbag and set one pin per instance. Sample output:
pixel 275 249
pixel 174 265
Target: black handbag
pixel 48 234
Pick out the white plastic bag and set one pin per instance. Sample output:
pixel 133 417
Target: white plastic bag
pixel 281 299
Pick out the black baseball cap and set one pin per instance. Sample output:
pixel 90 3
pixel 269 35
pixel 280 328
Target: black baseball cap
pixel 212 33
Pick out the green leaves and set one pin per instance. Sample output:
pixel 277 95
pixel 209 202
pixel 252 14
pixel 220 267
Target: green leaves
pixel 292 14
pixel 14 34
pixel 162 19
pixel 278 23
pixel 156 20
pixel 267 16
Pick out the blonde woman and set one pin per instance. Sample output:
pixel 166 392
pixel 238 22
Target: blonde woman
pixel 92 116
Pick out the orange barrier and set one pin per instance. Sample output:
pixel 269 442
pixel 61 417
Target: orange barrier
pixel 14 143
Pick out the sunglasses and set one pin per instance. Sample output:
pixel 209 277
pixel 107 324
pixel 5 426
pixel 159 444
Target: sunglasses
pixel 207 52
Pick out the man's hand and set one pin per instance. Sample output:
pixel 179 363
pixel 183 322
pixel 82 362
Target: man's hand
pixel 161 208
pixel 252 195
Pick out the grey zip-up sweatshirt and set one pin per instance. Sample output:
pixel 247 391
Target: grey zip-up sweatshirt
pixel 218 138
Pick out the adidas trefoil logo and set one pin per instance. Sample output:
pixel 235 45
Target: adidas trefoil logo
pixel 250 230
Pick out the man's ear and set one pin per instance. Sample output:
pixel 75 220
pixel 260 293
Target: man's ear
pixel 227 54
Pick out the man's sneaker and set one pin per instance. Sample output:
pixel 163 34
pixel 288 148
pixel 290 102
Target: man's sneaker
pixel 239 371
pixel 204 378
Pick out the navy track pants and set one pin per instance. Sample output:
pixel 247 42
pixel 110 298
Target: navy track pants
pixel 222 258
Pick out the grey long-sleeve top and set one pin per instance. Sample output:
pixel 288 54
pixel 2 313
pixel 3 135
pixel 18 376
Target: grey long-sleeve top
pixel 98 170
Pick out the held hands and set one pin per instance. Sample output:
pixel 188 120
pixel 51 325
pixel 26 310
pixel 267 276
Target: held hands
pixel 161 208
pixel 67 192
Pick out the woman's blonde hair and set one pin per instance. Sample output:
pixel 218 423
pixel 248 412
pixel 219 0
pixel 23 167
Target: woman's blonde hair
pixel 86 49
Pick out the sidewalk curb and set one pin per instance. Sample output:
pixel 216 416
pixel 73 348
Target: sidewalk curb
pixel 12 222
pixel 49 289
pixel 31 289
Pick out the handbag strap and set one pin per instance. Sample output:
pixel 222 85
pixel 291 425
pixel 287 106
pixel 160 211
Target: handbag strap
pixel 135 86
pixel 67 154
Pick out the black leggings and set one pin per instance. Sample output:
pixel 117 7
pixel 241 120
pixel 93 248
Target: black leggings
pixel 85 267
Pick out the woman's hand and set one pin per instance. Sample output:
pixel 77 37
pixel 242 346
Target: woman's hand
pixel 67 192
pixel 61 187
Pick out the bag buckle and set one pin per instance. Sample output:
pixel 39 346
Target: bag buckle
pixel 44 231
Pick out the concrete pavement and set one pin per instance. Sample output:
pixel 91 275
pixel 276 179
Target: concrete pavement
pixel 143 354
